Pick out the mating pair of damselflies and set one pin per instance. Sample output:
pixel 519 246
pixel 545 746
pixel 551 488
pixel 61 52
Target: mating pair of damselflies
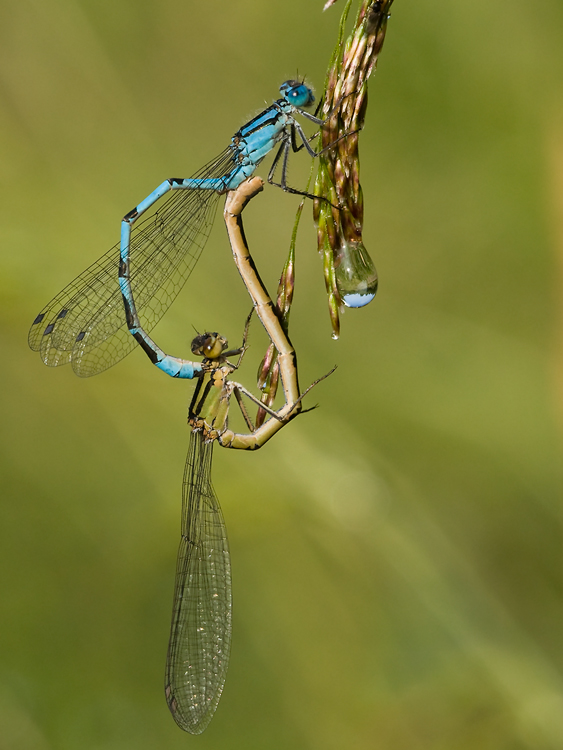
pixel 99 318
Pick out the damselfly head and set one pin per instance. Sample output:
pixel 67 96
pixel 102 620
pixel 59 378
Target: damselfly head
pixel 209 345
pixel 297 93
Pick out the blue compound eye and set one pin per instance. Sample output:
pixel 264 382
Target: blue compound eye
pixel 297 94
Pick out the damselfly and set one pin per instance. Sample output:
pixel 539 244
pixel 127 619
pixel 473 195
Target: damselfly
pixel 200 635
pixel 84 324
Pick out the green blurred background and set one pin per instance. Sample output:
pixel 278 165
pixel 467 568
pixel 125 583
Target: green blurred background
pixel 397 554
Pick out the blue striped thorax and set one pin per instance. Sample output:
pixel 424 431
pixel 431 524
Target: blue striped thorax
pixel 258 137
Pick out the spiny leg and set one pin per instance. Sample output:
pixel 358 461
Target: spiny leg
pixel 291 142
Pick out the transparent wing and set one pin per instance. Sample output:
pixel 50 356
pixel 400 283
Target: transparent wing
pixel 200 636
pixel 85 323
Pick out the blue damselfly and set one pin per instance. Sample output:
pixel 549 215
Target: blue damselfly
pixel 84 324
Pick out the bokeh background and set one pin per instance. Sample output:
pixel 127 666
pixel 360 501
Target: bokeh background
pixel 397 553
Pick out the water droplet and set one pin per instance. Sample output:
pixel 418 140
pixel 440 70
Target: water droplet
pixel 356 277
